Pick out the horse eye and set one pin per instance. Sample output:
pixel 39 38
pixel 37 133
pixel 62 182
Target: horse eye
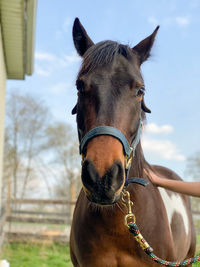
pixel 140 91
pixel 80 85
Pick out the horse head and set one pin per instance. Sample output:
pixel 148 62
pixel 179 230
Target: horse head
pixel 110 93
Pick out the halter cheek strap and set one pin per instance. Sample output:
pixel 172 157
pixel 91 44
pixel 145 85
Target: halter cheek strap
pixel 129 151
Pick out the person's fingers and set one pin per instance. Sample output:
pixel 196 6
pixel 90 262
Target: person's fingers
pixel 146 172
pixel 150 174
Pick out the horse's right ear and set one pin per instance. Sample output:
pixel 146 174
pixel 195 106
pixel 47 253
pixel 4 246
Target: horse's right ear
pixel 81 40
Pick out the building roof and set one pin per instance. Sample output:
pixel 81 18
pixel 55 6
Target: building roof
pixel 17 19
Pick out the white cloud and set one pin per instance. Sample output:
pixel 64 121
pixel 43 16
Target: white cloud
pixel 61 61
pixel 153 20
pixel 182 21
pixel 71 58
pixel 46 63
pixel 153 128
pixel 45 56
pixel 66 26
pixel 42 72
pixel 162 148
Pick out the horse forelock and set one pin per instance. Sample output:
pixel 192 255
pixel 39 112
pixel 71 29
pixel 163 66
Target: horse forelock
pixel 102 54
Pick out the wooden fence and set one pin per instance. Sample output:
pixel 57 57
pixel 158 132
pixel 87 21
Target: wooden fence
pixel 18 214
pixel 37 220
pixel 39 212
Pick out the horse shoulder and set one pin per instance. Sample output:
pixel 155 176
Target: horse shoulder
pixel 178 211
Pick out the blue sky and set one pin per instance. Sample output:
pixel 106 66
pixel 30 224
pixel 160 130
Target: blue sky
pixel 172 74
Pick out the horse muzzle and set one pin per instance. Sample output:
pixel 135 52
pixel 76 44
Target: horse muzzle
pixel 104 190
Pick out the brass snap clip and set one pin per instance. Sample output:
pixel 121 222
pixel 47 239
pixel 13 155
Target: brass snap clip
pixel 126 201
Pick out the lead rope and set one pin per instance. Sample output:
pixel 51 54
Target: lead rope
pixel 130 222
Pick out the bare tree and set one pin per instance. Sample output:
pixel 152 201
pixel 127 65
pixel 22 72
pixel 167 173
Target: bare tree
pixel 193 167
pixel 62 141
pixel 26 119
pixel 193 171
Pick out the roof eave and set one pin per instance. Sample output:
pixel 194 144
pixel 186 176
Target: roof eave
pixel 30 36
pixel 18 34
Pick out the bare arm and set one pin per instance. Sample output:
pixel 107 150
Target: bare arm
pixel 188 188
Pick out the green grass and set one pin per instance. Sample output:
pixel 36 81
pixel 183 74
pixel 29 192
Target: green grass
pixel 198 239
pixel 26 255
pixel 198 251
pixel 54 255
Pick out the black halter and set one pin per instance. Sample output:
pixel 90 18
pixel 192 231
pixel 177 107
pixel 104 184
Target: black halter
pixel 129 150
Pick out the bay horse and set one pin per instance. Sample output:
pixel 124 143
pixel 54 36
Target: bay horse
pixel 111 95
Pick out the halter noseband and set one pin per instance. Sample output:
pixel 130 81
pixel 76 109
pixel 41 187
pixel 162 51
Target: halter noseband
pixel 129 150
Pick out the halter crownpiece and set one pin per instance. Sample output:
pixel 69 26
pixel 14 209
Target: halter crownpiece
pixel 129 150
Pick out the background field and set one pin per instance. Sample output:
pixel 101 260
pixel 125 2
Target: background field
pixel 26 255
pixel 52 255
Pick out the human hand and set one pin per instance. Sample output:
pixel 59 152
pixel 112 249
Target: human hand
pixel 154 178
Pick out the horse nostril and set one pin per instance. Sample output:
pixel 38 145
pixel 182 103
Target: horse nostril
pixel 89 174
pixel 116 173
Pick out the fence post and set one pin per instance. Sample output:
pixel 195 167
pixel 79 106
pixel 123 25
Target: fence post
pixel 8 200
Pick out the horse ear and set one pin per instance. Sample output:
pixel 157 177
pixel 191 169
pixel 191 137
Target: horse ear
pixel 144 107
pixel 81 40
pixel 74 110
pixel 144 47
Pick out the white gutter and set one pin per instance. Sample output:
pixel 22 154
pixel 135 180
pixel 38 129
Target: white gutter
pixel 30 35
pixel 17 18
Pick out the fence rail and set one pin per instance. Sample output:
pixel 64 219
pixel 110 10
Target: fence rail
pixel 196 212
pixel 43 219
pixel 36 220
pixel 60 215
pixel 23 237
pixel 41 201
pixel 42 213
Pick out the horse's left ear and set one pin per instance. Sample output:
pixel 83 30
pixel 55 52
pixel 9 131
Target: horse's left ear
pixel 74 110
pixel 144 47
pixel 81 39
